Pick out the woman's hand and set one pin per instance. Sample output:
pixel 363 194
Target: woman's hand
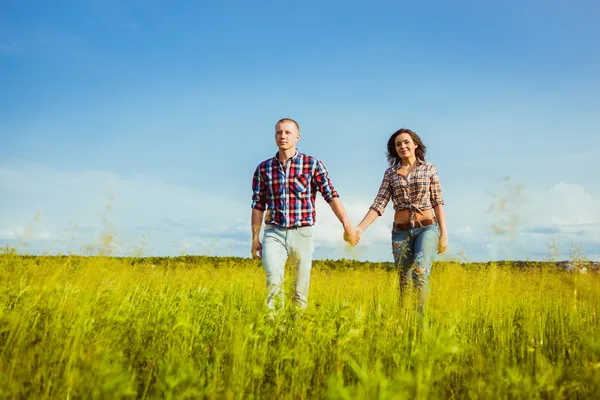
pixel 442 243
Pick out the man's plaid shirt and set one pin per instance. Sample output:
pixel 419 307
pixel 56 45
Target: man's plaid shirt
pixel 288 191
pixel 418 192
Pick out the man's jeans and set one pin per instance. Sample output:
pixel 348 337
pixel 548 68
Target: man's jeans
pixel 278 243
pixel 414 250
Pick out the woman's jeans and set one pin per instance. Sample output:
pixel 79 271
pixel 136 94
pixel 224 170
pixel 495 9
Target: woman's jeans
pixel 278 243
pixel 414 250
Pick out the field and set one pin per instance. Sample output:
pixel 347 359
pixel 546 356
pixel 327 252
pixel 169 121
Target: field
pixel 195 327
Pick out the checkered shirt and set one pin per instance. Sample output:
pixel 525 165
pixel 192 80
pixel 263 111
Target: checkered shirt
pixel 418 192
pixel 288 191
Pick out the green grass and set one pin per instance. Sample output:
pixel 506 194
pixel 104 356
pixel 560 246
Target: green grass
pixel 109 328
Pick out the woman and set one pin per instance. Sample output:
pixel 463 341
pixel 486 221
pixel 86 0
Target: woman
pixel 419 221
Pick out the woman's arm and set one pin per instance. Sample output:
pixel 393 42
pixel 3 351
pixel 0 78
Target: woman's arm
pixel 437 201
pixel 369 218
pixel 441 217
pixel 381 200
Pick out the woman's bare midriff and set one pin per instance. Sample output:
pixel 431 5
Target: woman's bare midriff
pixel 403 216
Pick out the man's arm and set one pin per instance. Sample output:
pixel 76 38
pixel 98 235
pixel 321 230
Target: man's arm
pixel 258 210
pixel 332 198
pixel 350 234
pixel 257 218
pixel 340 212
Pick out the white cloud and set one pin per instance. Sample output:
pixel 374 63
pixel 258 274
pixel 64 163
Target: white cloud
pixel 329 231
pixel 84 207
pixel 23 233
pixel 571 204
pixel 565 210
pixel 99 210
pixel 7 234
pixel 465 230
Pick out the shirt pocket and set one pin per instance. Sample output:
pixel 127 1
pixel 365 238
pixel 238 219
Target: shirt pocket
pixel 400 185
pixel 300 185
pixel 419 180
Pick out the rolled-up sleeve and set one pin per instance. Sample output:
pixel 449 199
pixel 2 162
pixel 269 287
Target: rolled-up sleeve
pixel 323 183
pixel 435 188
pixel 259 197
pixel 383 195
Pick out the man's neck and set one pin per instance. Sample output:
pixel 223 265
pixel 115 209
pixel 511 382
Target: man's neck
pixel 285 155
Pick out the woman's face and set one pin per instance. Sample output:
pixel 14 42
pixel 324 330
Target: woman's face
pixel 405 147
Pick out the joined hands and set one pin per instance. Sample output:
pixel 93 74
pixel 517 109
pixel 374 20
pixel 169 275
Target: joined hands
pixel 352 236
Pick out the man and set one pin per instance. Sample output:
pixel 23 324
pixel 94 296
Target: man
pixel 285 186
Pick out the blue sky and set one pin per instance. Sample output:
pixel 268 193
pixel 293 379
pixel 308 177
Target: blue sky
pixel 144 120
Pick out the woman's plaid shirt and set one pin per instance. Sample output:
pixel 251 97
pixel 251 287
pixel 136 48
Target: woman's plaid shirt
pixel 288 191
pixel 418 192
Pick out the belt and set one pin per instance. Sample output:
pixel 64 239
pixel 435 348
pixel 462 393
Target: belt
pixel 288 227
pixel 422 223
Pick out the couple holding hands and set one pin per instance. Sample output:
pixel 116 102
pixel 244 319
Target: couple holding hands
pixel 285 186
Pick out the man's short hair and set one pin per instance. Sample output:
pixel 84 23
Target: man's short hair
pixel 288 120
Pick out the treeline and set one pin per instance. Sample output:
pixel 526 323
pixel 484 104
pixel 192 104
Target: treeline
pixel 189 261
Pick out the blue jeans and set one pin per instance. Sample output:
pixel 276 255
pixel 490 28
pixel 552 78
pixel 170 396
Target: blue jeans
pixel 278 244
pixel 413 251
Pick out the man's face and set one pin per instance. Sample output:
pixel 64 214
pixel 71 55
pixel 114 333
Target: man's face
pixel 286 135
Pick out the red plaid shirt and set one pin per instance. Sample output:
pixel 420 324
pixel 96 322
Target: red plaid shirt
pixel 418 192
pixel 288 191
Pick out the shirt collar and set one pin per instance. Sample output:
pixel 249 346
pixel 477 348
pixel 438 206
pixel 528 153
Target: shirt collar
pixel 398 164
pixel 276 157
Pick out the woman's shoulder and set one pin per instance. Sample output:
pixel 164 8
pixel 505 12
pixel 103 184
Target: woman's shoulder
pixel 391 170
pixel 428 165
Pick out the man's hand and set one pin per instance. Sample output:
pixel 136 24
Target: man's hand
pixel 442 243
pixel 256 249
pixel 351 236
pixel 257 220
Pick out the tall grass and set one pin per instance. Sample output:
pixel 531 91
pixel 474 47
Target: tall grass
pixel 108 328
